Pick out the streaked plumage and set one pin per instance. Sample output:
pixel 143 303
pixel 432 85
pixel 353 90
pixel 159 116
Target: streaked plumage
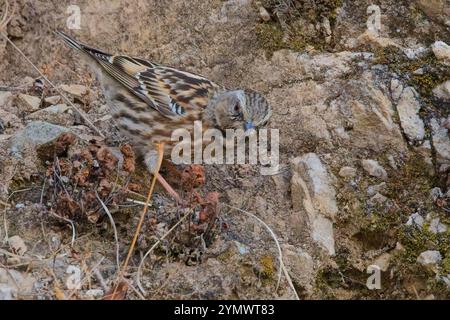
pixel 149 101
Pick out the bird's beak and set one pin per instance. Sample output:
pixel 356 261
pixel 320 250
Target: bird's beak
pixel 249 128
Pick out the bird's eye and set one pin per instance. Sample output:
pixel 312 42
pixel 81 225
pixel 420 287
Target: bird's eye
pixel 236 108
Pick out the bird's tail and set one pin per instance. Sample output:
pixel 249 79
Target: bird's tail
pixel 94 53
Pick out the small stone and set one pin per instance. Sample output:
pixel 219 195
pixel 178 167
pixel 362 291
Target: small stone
pixel 5 99
pixel 415 220
pixel 59 114
pixel 94 294
pixel 430 258
pixel 17 245
pixel 27 103
pixel 20 206
pixel 392 162
pixel 442 91
pixel 441 141
pixel 51 101
pixel 408 111
pixel 374 169
pixel 441 50
pixel 372 190
pixel 437 227
pixel 377 199
pixel 396 89
pixel 36 133
pixel 75 90
pixel 347 172
pixel 14 284
pixel 309 172
pixel 413 54
pixel 436 193
pixel 264 14
pixel 7 292
pixel 383 261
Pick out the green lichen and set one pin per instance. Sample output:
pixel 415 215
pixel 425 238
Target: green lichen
pixel 423 73
pixel 286 30
pixel 268 267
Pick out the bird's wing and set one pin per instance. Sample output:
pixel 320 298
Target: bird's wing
pixel 172 92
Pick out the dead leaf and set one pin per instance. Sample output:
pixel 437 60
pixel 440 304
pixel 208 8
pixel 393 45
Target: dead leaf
pixel 107 160
pixel 129 158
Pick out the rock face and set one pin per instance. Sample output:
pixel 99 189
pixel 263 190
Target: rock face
pixel 313 193
pixel 408 110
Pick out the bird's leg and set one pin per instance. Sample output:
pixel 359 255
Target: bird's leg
pixel 151 161
pixel 160 152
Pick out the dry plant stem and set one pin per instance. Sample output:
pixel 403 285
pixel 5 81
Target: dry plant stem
pixel 160 149
pixel 67 100
pixel 7 16
pixel 141 264
pixel 113 224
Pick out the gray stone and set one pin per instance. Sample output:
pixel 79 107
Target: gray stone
pixel 442 51
pixel 14 284
pixel 415 220
pixel 51 101
pixel 75 90
pixel 437 227
pixel 310 173
pixel 442 91
pixel 374 169
pixel 5 99
pixel 323 233
pixel 373 190
pixel 313 193
pixel 430 258
pixel 7 292
pixel 408 110
pixel 36 134
pixel 59 114
pixel 441 141
pixel 347 172
pixel 377 199
pixel 396 89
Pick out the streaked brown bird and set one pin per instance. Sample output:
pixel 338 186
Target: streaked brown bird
pixel 149 101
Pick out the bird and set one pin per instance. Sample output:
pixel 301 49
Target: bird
pixel 148 101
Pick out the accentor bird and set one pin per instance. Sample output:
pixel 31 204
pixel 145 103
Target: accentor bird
pixel 149 101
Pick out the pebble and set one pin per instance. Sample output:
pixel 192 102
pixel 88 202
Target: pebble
pixel 374 169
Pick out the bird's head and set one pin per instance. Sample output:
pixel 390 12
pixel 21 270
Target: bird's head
pixel 240 109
